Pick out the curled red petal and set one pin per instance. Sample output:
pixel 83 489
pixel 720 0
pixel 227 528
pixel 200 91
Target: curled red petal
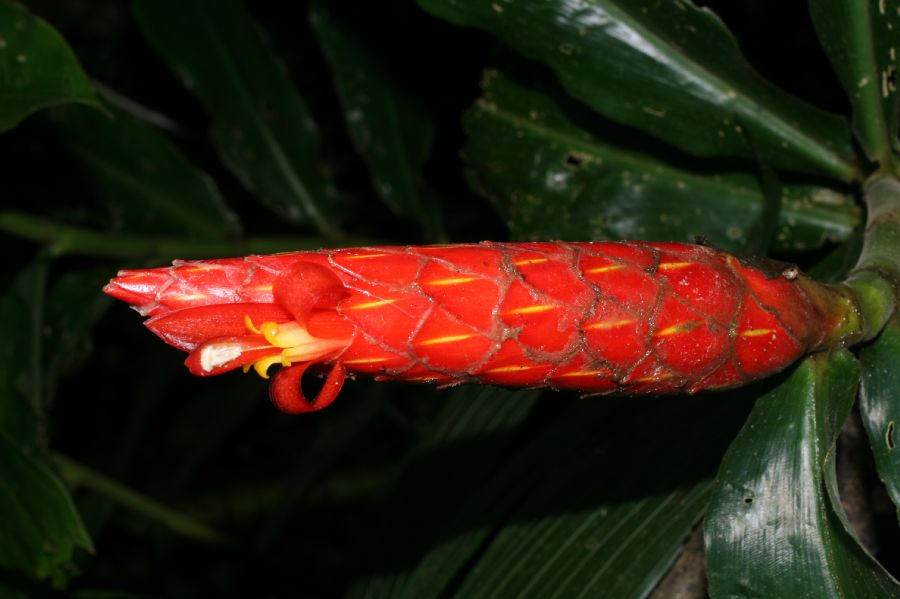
pixel 227 353
pixel 306 286
pixel 286 394
pixel 188 328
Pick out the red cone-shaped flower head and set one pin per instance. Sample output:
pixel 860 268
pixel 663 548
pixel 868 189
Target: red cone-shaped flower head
pixel 593 317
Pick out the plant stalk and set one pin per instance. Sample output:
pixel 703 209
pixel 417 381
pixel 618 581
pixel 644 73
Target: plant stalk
pixel 67 239
pixel 875 281
pixel 76 474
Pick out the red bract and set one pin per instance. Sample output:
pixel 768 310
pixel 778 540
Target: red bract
pixel 593 317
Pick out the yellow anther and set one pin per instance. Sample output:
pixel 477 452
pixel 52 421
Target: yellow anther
pixel 248 324
pixel 447 339
pixel 603 269
pixel 757 332
pixel 674 265
pixel 262 365
pixel 531 309
pixel 269 330
pixel 376 304
pixel 455 281
pixel 681 327
pixel 608 324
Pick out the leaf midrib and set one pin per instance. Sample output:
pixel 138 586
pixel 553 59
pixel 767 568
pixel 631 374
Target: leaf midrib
pixel 172 207
pixel 744 105
pixel 271 141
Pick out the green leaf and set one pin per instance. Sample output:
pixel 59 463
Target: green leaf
pixel 459 452
pixel 670 69
pixel 261 128
pixel 74 305
pixel 146 184
pixel 389 125
pixel 37 68
pixel 330 439
pixel 542 165
pixel 775 525
pixel 22 414
pixel 67 239
pixel 835 265
pixel 39 526
pixel 46 335
pixel 601 502
pixel 76 475
pixel 596 499
pixel 880 404
pixel 860 37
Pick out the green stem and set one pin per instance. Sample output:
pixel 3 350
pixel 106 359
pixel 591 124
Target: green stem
pixel 67 239
pixel 875 280
pixel 76 474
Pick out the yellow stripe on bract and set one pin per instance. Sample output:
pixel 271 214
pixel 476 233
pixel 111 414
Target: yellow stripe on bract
pixel 582 373
pixel 603 269
pixel 366 361
pixel 376 304
pixel 360 256
pixel 756 332
pixel 455 281
pixel 675 329
pixel 530 261
pixel 260 288
pixel 186 297
pixel 674 265
pixel 500 369
pixel 652 378
pixel 447 339
pixel 608 324
pixel 531 309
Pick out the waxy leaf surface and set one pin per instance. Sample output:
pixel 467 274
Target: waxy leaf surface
pixel 860 37
pixel 776 527
pixel 390 126
pixel 39 526
pixel 543 164
pixel 261 127
pixel 541 525
pixel 143 181
pixel 880 404
pixel 37 68
pixel 670 69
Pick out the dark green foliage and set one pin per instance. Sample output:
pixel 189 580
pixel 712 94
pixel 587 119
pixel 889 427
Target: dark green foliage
pixel 228 128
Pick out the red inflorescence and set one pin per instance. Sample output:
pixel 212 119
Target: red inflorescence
pixel 599 317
